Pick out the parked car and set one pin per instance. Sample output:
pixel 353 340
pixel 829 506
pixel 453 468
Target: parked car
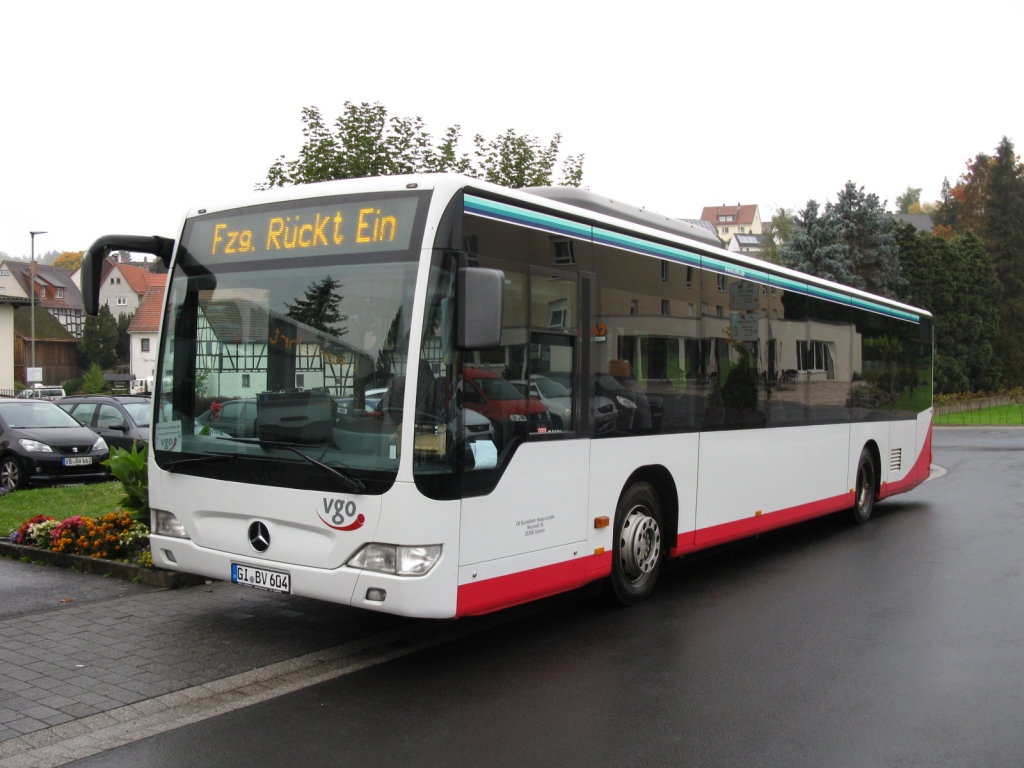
pixel 556 394
pixel 121 420
pixel 234 418
pixel 634 409
pixel 41 443
pixel 489 394
pixel 42 393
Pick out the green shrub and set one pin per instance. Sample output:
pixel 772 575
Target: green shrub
pixel 132 470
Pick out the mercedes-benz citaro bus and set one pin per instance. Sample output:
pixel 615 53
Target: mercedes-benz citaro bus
pixel 367 333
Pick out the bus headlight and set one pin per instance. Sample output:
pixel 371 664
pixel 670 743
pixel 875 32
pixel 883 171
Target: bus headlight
pixel 168 525
pixel 400 560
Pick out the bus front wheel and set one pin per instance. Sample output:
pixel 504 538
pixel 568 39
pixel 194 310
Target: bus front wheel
pixel 638 548
pixel 864 492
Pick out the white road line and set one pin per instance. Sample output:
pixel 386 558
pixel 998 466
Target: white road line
pixel 935 471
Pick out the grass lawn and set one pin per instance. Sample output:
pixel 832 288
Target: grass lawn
pixel 60 503
pixel 997 414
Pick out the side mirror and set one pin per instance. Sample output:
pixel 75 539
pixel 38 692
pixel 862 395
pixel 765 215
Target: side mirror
pixel 92 262
pixel 481 307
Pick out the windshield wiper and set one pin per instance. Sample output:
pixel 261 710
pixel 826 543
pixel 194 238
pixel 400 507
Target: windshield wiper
pixel 353 484
pixel 178 464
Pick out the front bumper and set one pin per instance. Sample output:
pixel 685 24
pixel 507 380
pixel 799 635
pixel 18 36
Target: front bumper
pixel 430 596
pixel 48 468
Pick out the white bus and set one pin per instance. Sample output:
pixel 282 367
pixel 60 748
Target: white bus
pixel 432 396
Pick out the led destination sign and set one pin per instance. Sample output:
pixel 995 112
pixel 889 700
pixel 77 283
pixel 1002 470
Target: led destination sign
pixel 312 230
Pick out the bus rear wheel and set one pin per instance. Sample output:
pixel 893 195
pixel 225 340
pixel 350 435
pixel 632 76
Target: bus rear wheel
pixel 864 491
pixel 638 549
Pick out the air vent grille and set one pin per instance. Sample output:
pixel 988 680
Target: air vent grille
pixel 895 459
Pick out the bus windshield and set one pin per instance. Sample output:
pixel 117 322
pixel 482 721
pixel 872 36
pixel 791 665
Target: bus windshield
pixel 268 361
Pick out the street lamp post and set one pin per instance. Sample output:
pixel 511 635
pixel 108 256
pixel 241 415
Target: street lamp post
pixel 32 295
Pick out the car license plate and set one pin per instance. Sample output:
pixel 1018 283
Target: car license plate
pixel 261 578
pixel 77 461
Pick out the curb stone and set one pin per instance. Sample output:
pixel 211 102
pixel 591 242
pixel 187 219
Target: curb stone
pixel 156 577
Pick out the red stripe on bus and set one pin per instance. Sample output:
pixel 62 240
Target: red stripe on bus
pixel 750 526
pixel 516 588
pixel 917 475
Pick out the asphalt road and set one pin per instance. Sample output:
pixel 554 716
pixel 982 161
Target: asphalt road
pixel 894 643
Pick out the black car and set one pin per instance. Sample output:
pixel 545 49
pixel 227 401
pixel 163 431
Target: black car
pixel 121 420
pixel 41 443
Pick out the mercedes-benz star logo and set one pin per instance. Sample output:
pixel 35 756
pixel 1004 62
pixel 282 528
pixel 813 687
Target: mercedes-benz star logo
pixel 259 536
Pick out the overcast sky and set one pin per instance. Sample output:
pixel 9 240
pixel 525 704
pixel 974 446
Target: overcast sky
pixel 118 117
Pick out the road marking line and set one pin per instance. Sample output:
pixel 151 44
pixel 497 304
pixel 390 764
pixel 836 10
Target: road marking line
pixel 87 736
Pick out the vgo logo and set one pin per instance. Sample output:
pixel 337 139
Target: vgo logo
pixel 341 515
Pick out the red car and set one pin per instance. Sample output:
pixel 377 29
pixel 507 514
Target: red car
pixel 494 397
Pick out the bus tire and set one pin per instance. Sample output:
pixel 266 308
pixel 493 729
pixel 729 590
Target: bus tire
pixel 865 488
pixel 638 548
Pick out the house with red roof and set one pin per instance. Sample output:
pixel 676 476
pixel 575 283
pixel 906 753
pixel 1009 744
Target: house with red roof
pixel 143 331
pixel 730 220
pixel 123 285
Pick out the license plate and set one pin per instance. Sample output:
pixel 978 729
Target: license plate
pixel 261 578
pixel 78 461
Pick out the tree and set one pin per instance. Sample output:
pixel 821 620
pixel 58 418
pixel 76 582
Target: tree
pixel 320 308
pixel 69 260
pixel 816 248
pixel 367 142
pixel 909 201
pixel 93 382
pixel 956 282
pixel 867 232
pixel 124 340
pixel 988 199
pixel 851 243
pixel 99 340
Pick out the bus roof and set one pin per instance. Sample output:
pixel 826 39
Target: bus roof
pixel 578 204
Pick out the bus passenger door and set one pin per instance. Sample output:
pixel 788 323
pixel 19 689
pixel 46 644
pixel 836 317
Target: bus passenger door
pixel 528 511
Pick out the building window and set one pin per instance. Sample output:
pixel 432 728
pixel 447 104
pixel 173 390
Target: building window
pixel 741 229
pixel 563 252
pixel 60 293
pixel 764 290
pixel 666 307
pixel 721 282
pixel 725 230
pixel 245 381
pixel 144 345
pixel 300 379
pixel 813 356
pixel 689 277
pixel 664 271
pixel 726 218
pixel 690 308
pixel 119 281
pixel 3 290
pixel 42 292
pixel 634 307
pixel 720 311
pixel 111 281
pixel 122 301
pixel 703 307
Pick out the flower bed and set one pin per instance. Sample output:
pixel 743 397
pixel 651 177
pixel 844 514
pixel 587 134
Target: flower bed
pixel 111 537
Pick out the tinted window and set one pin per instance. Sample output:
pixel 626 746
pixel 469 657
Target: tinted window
pixel 645 346
pixel 35 416
pixel 827 361
pixel 109 417
pixel 735 350
pixel 84 412
pixel 872 388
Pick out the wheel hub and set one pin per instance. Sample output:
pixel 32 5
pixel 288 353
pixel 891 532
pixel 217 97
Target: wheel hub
pixel 640 544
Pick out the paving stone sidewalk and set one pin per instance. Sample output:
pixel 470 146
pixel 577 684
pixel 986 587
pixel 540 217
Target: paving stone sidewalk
pixel 81 658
